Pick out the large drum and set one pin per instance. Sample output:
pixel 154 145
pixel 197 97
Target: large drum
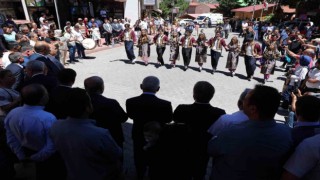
pixel 88 44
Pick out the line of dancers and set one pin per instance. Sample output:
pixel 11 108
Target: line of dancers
pixel 250 50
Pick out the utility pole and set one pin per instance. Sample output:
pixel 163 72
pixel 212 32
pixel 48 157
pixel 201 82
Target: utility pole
pixel 254 8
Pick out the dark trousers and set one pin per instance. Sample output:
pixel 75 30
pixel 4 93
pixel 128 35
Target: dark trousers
pixel 140 159
pixel 186 54
pixel 215 56
pixel 80 50
pixel 160 51
pixel 72 52
pixel 107 37
pixel 250 63
pixel 129 50
pixel 226 33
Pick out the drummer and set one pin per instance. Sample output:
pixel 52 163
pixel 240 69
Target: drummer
pixel 79 38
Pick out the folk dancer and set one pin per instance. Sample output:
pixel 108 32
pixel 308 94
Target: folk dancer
pixel 252 51
pixel 233 55
pixel 269 57
pixel 187 42
pixel 216 44
pixel 144 42
pixel 174 48
pixel 201 50
pixel 160 40
pixel 129 38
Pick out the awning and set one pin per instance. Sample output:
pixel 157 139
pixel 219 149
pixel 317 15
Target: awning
pixel 251 8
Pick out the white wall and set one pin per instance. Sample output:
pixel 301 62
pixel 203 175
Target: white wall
pixel 132 10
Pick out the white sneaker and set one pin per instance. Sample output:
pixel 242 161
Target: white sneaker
pixel 134 61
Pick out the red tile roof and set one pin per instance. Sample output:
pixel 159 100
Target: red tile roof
pixel 250 8
pixel 213 6
pixel 193 4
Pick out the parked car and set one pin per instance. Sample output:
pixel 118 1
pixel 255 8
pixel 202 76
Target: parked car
pixel 183 22
pixel 216 18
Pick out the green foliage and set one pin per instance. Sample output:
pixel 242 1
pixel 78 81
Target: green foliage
pixel 166 6
pixel 225 7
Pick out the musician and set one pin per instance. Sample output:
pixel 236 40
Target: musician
pixel 216 43
pixel 71 43
pixel 79 38
pixel 160 40
pixel 129 38
pixel 187 41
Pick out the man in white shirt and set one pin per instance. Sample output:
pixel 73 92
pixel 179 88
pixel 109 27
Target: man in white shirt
pixel 313 82
pixel 79 38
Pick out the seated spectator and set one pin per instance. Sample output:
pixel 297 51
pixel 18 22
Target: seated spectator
pixel 304 162
pixel 228 120
pixel 294 80
pixel 313 80
pixel 28 131
pixel 35 73
pixel 16 69
pixel 254 149
pixel 9 34
pixel 89 152
pixel 198 117
pixel 107 112
pixel 58 96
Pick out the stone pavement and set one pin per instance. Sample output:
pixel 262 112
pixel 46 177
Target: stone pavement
pixel 122 80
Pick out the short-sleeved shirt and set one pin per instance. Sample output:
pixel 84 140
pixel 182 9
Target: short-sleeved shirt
pixel 10 37
pixel 314 74
pixel 305 161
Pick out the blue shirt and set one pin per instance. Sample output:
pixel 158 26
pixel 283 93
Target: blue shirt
pixel 34 56
pixel 89 152
pixel 28 127
pixel 226 121
pixel 250 150
pixel 284 37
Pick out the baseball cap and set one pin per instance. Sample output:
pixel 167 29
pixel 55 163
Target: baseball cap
pixel 305 60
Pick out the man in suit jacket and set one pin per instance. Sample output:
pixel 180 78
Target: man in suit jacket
pixel 107 112
pixel 198 117
pixel 42 48
pixel 35 72
pixel 143 109
pixel 58 96
pixel 16 68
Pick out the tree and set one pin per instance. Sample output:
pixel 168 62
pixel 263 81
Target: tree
pixel 167 5
pixel 225 7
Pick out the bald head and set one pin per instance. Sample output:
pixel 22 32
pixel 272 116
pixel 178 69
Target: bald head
pixel 94 85
pixel 150 84
pixel 42 47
